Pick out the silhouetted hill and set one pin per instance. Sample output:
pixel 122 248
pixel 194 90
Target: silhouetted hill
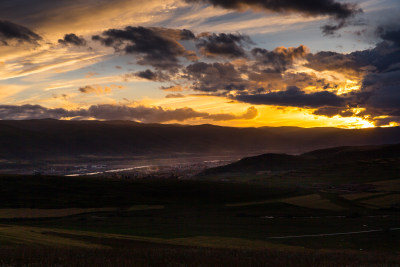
pixel 318 158
pixel 347 153
pixel 49 139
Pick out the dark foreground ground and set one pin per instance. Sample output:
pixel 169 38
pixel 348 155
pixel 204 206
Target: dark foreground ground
pixel 59 221
pixel 344 213
pixel 186 256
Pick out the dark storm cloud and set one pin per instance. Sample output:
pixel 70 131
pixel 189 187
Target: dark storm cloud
pixel 337 11
pixel 147 74
pixel 225 45
pixel 333 61
pixel 332 8
pixel 383 57
pixel 386 97
pixel 115 112
pixel 72 39
pixel 378 59
pixel 67 14
pixel 262 70
pixel 302 80
pixel 381 94
pixel 274 80
pixel 379 80
pixel 295 97
pixel 13 32
pixel 157 47
pixel 176 34
pixel 157 76
pixel 392 35
pixel 331 29
pixel 278 59
pixel 212 77
pixel 264 75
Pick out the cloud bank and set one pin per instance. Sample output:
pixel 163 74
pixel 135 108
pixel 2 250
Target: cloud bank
pixel 10 31
pixel 117 112
pixel 338 11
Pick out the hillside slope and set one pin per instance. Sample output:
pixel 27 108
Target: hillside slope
pixel 346 155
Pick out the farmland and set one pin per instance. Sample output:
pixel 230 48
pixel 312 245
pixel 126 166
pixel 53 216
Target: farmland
pixel 178 218
pixel 307 217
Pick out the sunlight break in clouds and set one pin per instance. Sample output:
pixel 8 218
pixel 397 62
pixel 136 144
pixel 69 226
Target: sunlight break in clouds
pixel 209 57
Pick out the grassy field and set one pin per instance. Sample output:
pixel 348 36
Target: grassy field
pixel 382 202
pixel 46 213
pixel 194 223
pixel 392 185
pixel 313 201
pixel 33 246
pixel 144 255
pixel 362 195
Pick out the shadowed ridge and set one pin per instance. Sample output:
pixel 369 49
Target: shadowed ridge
pixel 284 162
pixel 356 152
pixel 49 139
pixel 270 162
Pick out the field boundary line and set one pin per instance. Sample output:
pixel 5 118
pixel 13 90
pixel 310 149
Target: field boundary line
pixel 334 234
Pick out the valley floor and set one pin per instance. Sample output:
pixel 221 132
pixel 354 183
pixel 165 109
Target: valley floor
pixel 249 220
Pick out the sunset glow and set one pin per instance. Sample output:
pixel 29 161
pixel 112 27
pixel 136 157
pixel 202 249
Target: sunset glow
pixel 288 66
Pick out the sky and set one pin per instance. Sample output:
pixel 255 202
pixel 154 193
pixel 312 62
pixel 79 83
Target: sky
pixel 242 63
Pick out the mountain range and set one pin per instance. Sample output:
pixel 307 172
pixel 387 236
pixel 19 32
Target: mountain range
pixel 49 139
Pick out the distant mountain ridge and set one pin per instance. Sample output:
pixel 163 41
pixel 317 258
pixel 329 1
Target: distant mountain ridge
pixel 316 158
pixel 48 138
